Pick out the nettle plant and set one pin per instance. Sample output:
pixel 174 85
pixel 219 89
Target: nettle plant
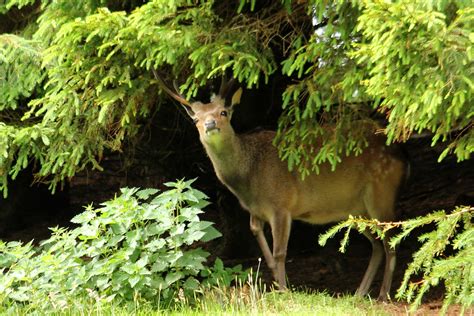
pixel 139 246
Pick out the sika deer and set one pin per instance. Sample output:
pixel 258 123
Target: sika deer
pixel 249 166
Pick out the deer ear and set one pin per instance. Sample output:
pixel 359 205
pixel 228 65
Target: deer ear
pixel 190 111
pixel 236 97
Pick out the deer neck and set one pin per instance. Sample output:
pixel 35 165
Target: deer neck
pixel 227 157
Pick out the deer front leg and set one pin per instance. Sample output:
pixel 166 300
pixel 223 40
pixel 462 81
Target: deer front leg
pixel 256 226
pixel 281 227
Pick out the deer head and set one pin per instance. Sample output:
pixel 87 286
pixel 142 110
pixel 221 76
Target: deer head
pixel 211 119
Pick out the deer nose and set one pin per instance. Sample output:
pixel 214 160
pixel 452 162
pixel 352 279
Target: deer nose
pixel 210 125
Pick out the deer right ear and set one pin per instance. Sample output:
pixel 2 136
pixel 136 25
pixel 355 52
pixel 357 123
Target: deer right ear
pixel 190 111
pixel 236 97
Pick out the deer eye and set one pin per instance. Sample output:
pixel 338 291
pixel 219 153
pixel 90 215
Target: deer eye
pixel 224 113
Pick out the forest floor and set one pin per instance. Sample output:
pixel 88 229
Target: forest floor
pixel 309 267
pixel 337 274
pixel 322 269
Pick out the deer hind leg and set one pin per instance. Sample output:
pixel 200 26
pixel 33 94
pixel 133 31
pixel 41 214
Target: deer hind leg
pixel 374 264
pixel 390 262
pixel 256 226
pixel 281 227
pixel 381 205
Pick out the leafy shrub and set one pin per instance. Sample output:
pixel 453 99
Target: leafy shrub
pixel 446 254
pixel 137 246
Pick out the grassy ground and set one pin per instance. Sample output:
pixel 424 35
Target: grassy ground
pixel 245 301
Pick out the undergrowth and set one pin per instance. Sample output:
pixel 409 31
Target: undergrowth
pixel 139 247
pixel 139 254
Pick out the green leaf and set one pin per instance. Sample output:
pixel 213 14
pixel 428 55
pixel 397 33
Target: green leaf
pixel 173 277
pixel 159 266
pixel 84 217
pixel 210 234
pixel 191 284
pixel 133 280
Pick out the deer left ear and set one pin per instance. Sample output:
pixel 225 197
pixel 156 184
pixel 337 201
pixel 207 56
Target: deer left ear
pixel 236 97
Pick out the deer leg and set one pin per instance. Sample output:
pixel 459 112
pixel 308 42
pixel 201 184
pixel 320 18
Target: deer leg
pixel 374 264
pixel 281 226
pixel 390 262
pixel 256 226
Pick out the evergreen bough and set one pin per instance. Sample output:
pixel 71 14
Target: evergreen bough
pixel 76 82
pixel 446 254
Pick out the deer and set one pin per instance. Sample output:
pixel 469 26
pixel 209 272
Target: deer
pixel 249 166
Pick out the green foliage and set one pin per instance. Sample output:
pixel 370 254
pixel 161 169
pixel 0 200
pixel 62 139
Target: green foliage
pixel 138 247
pixel 19 64
pixel 326 110
pixel 6 5
pixel 78 73
pixel 420 59
pixel 98 84
pixel 446 254
pixel 412 60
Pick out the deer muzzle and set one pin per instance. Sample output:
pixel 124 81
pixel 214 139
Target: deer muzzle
pixel 211 126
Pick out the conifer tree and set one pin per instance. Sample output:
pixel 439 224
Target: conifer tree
pixel 76 75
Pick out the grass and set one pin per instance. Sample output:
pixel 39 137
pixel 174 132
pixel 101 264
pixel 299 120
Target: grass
pixel 292 303
pixel 241 301
pixel 251 298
